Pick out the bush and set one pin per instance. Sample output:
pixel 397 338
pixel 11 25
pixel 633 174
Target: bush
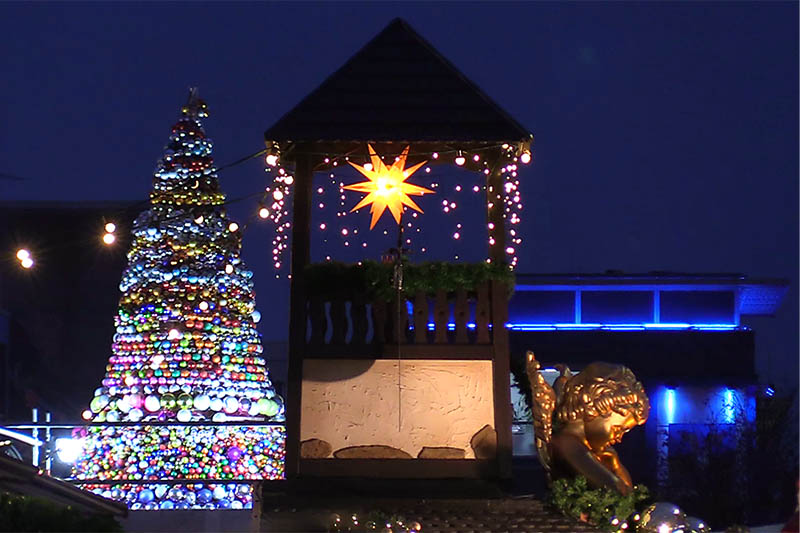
pixel 27 513
pixel 740 473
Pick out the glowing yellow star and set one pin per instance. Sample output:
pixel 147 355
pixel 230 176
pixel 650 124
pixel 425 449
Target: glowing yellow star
pixel 387 186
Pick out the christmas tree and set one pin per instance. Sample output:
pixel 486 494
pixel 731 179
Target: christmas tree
pixel 185 351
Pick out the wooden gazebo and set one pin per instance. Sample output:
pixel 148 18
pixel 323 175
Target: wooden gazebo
pixel 397 91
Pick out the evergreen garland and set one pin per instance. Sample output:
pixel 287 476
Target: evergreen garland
pixel 373 280
pixel 574 498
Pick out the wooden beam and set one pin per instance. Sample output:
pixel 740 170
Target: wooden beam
pixel 466 352
pixel 400 468
pixel 301 256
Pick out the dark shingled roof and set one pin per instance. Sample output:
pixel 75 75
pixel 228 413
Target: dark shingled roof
pixel 397 88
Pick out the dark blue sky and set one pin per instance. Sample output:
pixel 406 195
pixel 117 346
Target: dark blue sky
pixel 666 134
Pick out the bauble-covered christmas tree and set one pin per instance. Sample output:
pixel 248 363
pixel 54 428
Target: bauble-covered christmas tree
pixel 186 349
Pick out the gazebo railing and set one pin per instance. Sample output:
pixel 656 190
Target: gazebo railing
pixel 353 324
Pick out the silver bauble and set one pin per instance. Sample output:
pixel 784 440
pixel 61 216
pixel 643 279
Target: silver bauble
pixel 661 517
pixel 695 525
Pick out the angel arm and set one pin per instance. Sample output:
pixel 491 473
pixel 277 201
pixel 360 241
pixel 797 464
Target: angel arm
pixel 570 450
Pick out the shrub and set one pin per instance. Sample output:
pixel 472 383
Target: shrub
pixel 28 513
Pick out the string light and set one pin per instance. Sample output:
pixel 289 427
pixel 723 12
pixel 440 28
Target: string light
pixel 109 238
pixel 25 258
pixel 508 198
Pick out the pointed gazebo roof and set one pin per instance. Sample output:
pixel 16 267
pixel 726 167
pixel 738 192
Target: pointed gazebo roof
pixel 397 88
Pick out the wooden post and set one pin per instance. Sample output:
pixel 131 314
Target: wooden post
pixel 500 362
pixel 301 256
pixel 501 370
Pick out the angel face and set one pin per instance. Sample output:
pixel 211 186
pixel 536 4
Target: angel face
pixel 604 431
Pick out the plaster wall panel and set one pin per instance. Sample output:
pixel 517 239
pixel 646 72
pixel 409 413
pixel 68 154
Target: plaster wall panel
pixel 404 404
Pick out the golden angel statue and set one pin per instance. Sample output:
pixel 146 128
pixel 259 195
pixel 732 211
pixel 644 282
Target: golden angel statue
pixel 576 424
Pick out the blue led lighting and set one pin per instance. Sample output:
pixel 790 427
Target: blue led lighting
pixel 670 405
pixel 451 326
pixel 728 406
pixel 769 391
pixel 607 327
pixel 624 327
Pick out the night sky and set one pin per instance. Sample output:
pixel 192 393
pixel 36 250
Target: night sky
pixel 666 134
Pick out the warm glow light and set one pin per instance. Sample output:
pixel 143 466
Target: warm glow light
pixel 263 212
pixel 68 450
pixel 27 262
pixel 110 227
pixel 23 254
pixel 525 157
pixel 109 238
pixel 387 187
pixel 460 159
pixel 272 160
pixel 233 226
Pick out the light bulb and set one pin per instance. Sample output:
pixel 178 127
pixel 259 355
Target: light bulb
pixel 110 227
pixel 525 157
pixel 272 159
pixel 109 238
pixel 263 212
pixel 27 262
pixel 367 166
pixel 460 159
pixel 233 226
pixel 23 254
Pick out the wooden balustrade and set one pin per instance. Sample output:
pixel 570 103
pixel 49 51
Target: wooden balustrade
pixel 353 324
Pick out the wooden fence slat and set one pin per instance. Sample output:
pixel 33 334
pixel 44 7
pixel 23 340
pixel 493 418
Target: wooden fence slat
pixel 461 316
pixel 440 317
pixel 316 314
pixel 420 318
pixel 338 321
pixel 482 309
pixel 379 321
pixel 358 316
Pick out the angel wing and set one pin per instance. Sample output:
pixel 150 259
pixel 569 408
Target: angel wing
pixel 543 403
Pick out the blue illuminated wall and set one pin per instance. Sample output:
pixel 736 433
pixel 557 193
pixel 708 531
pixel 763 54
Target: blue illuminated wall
pixel 618 307
pixel 686 404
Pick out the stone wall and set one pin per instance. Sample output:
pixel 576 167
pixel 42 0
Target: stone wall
pixel 354 403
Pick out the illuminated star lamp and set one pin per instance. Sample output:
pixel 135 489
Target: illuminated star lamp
pixel 387 186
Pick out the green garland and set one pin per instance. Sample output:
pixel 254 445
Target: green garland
pixel 373 280
pixel 574 498
pixel 28 513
